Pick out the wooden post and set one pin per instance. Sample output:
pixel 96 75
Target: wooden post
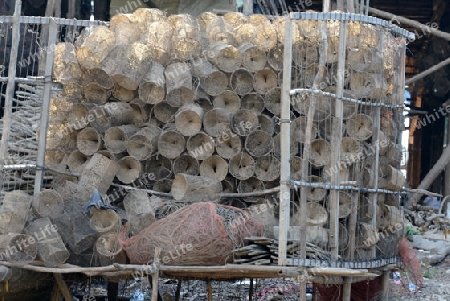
pixel 285 193
pixel 210 291
pixel 10 89
pixel 248 7
pixel 447 169
pixel 385 285
pixel 250 290
pixel 335 154
pixel 178 292
pixel 326 6
pixel 63 287
pixel 40 160
pixel 155 275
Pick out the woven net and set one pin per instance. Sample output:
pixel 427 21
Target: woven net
pixel 200 234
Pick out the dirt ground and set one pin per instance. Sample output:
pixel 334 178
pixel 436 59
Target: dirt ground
pixel 436 284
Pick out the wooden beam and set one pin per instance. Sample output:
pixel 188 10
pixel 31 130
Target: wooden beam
pixel 402 21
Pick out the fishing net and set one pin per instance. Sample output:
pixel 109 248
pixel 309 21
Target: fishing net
pixel 200 234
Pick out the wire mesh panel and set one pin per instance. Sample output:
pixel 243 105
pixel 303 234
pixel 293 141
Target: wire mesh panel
pixel 353 71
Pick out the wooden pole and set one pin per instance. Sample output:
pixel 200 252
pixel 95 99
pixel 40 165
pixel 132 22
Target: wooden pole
pixel 432 175
pixel 250 290
pixel 285 140
pixel 63 287
pixel 178 292
pixel 40 160
pixel 335 154
pixel 72 9
pixel 210 290
pixel 248 7
pixel 9 95
pixel 385 285
pixel 447 168
pixel 405 21
pixel 326 6
pixel 155 276
pixel 428 71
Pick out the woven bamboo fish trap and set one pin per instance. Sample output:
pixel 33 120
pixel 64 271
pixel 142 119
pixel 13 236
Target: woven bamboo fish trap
pixel 315 194
pixel 159 166
pixel 227 57
pixel 186 164
pixel 243 122
pixel 171 144
pixel 359 126
pixel 216 122
pixel 298 127
pixel 214 167
pixel 228 146
pixel 259 143
pixel 188 119
pixel 116 137
pixel 253 101
pixel 250 185
pixel 267 168
pixel 130 170
pixel 242 166
pixel 143 143
pixel 227 100
pixel 200 146
pixel 241 81
pixel 253 58
pixel 152 85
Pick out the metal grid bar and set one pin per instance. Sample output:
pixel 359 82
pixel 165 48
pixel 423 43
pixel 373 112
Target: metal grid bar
pixel 46 20
pixel 345 187
pixel 352 17
pixel 370 264
pixel 348 99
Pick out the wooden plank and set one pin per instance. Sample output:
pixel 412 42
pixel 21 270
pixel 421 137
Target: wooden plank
pixel 40 160
pixel 285 193
pixel 9 95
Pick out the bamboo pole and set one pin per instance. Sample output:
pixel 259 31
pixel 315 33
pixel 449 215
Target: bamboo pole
pixel 155 276
pixel 248 7
pixel 9 95
pixel 428 71
pixel 210 290
pixel 178 292
pixel 40 160
pixel 405 21
pixel 285 193
pixel 431 175
pixel 335 151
